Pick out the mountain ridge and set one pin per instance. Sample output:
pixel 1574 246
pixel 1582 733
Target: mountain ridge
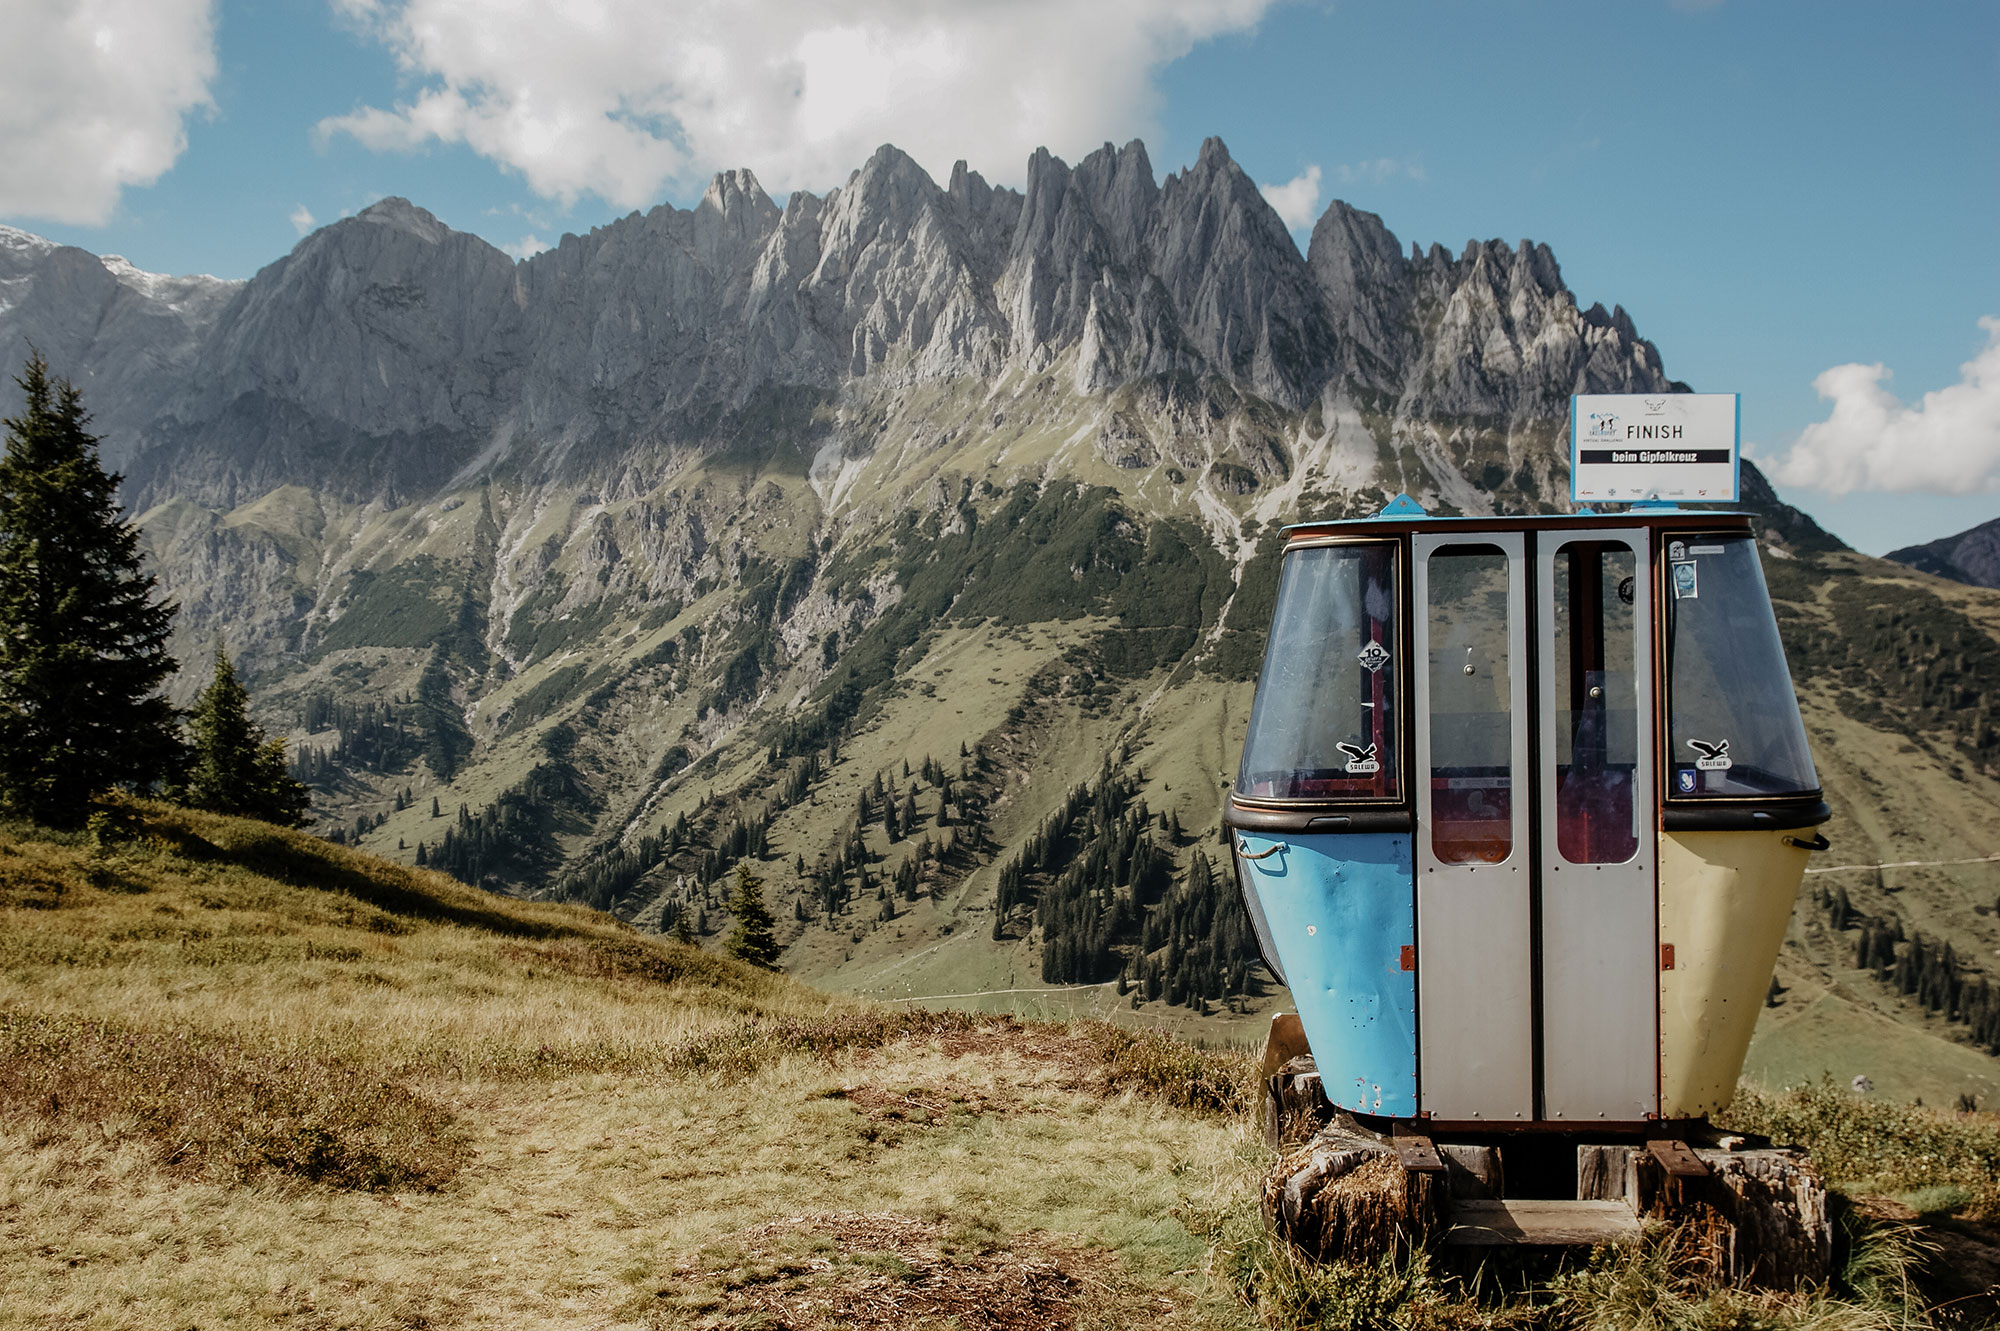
pixel 719 533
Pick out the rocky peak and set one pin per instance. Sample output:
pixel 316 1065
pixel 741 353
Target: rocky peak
pixel 1247 301
pixel 399 213
pixel 733 220
pixel 126 336
pixel 1360 270
pixel 1118 186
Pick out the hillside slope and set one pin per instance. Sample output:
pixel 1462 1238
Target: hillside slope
pixel 248 1077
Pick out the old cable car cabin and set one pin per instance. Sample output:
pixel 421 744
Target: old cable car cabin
pixel 1522 812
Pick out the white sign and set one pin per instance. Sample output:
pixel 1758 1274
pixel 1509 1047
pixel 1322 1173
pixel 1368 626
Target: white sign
pixel 1631 446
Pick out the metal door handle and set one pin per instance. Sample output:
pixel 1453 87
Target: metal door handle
pixel 1243 849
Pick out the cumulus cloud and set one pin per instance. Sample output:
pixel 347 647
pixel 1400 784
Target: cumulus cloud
pixel 526 247
pixel 96 97
pixel 1297 200
pixel 1947 444
pixel 621 98
pixel 302 219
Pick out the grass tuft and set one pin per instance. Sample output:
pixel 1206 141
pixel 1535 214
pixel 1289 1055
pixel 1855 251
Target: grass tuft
pixel 1174 1072
pixel 218 1109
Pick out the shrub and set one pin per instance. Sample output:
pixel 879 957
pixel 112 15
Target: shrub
pixel 1877 1145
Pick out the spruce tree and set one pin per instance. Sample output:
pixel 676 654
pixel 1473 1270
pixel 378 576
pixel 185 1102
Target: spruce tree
pixel 83 641
pixel 235 768
pixel 752 940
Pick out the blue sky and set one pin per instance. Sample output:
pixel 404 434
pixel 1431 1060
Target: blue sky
pixel 1771 190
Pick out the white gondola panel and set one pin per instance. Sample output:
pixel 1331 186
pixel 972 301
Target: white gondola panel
pixel 1475 987
pixel 1600 1005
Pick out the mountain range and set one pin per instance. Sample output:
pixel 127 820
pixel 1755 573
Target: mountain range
pixel 912 544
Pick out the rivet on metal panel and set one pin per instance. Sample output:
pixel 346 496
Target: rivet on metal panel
pixel 1409 957
pixel 1666 956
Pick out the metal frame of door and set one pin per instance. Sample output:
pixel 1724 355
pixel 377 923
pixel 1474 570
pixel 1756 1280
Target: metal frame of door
pixel 1599 1017
pixel 1475 933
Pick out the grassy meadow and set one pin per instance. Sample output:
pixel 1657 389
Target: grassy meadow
pixel 249 1078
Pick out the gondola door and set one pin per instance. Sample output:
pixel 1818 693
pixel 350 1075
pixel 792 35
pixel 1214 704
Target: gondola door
pixel 1599 981
pixel 1475 968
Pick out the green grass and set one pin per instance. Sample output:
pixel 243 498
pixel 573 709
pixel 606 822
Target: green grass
pixel 1871 1145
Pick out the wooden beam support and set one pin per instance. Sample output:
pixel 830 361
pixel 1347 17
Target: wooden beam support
pixel 1676 1158
pixel 1416 1152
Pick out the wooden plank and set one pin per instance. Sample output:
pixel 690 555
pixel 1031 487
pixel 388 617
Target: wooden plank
pixel 1474 1172
pixel 1676 1158
pixel 1529 1222
pixel 1416 1151
pixel 1603 1173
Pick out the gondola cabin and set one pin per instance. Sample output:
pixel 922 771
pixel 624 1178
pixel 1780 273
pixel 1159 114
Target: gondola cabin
pixel 1522 811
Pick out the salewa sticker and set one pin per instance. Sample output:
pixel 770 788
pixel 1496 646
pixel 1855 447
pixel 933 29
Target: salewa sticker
pixel 1714 757
pixel 1684 580
pixel 1373 657
pixel 1360 761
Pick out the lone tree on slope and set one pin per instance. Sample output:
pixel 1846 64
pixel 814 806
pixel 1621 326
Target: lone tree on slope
pixel 235 769
pixel 752 940
pixel 83 641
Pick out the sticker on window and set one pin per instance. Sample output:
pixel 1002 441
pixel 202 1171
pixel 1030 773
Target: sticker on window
pixel 1373 657
pixel 1707 549
pixel 1684 779
pixel 1684 580
pixel 1678 550
pixel 1714 756
pixel 1360 761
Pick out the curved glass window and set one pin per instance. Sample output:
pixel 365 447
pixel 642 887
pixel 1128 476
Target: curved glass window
pixel 1733 727
pixel 1324 724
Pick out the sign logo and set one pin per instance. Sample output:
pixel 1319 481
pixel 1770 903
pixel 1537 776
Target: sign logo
pixel 1684 780
pixel 1714 757
pixel 1360 761
pixel 1373 657
pixel 1604 425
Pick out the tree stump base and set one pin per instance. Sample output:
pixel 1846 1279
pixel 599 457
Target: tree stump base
pixel 1344 1195
pixel 1759 1219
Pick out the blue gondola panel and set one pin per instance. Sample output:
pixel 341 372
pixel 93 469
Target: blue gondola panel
pixel 1340 912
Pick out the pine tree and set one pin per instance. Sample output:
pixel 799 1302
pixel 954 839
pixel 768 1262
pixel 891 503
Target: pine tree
pixel 682 932
pixel 752 940
pixel 235 769
pixel 83 642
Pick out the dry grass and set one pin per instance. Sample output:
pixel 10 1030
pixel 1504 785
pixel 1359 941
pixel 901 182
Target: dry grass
pixel 220 1110
pixel 247 1077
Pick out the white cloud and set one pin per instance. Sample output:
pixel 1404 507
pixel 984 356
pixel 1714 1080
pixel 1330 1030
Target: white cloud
pixel 1297 200
pixel 95 97
pixel 620 98
pixel 302 219
pixel 530 244
pixel 1947 444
